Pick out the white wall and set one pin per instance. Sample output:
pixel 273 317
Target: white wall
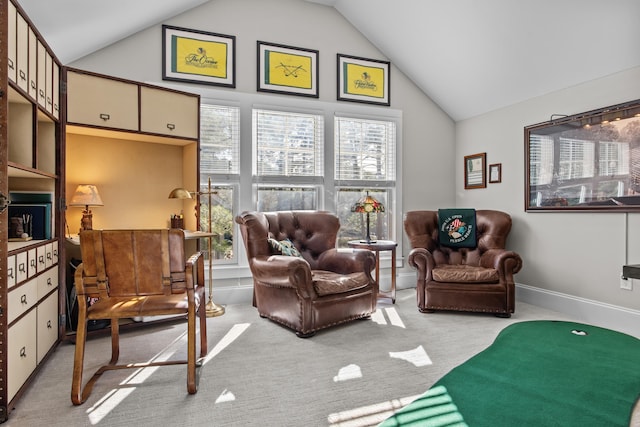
pixel 578 254
pixel 428 134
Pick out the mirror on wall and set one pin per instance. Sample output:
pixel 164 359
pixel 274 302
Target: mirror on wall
pixel 585 162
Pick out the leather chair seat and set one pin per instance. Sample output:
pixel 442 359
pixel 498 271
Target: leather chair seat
pixel 465 274
pixel 148 305
pixel 328 282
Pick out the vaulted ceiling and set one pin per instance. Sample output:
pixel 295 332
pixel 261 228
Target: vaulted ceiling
pixel 469 56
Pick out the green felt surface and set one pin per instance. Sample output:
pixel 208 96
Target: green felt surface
pixel 538 373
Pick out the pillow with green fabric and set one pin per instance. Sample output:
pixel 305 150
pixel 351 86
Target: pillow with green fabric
pixel 284 247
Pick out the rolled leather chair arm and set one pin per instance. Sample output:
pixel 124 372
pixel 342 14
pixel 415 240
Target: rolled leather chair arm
pixel 422 260
pixel 506 262
pixel 283 271
pixel 347 261
pixel 194 268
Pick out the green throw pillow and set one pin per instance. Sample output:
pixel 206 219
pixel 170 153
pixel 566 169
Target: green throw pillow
pixel 284 247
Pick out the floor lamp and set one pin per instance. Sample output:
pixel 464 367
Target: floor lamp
pixel 213 309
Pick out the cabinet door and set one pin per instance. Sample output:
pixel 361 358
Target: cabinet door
pixel 56 90
pixel 21 349
pixel 34 45
pixel 168 113
pixel 12 62
pixel 98 101
pixel 42 76
pixel 47 325
pixel 48 64
pixel 22 52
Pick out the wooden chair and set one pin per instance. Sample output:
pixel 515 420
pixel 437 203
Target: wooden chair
pixel 135 273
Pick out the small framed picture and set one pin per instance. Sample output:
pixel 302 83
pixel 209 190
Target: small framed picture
pixel 363 80
pixel 198 56
pixel 288 70
pixel 495 173
pixel 475 167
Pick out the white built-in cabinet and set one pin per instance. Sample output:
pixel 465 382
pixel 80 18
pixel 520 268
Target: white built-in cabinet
pixel 30 130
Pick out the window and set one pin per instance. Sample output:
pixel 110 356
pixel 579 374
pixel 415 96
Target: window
pixel 288 165
pixel 219 162
pixel 365 159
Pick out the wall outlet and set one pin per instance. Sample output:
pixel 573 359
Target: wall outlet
pixel 626 283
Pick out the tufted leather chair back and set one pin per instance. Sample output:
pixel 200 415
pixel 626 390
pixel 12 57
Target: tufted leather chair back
pixel 311 232
pixel 492 229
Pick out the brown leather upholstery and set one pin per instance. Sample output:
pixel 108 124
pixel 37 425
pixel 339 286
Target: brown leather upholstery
pixel 463 279
pixel 137 273
pixel 324 287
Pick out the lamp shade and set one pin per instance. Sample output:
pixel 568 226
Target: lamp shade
pixel 367 204
pixel 86 195
pixel 180 193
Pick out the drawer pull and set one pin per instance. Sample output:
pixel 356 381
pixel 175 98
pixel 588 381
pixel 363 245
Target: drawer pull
pixel 41 259
pixel 41 94
pixel 171 126
pixel 10 272
pixel 11 66
pixel 33 84
pixel 23 299
pixel 22 74
pixel 49 282
pixel 48 324
pixel 22 268
pixel 23 352
pixel 49 101
pixel 49 255
pixel 104 116
pixel 33 263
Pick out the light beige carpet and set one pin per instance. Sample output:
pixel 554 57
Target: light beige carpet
pixel 260 374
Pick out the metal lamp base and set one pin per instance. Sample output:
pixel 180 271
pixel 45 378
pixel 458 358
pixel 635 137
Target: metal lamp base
pixel 213 309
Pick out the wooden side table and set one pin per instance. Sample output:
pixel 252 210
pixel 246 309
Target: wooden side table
pixel 377 246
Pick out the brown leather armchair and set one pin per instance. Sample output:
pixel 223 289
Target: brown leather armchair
pixel 320 288
pixel 478 279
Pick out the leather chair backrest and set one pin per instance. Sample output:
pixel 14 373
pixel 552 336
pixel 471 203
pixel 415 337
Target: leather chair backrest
pixel 135 262
pixel 492 230
pixel 311 232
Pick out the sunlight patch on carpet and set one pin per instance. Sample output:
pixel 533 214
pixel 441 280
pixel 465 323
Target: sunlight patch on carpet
pixel 418 356
pixel 112 399
pixel 368 415
pixel 391 313
pixel 349 372
pixel 231 336
pixel 226 396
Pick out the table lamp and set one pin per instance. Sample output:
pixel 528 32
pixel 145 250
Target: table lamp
pixel 86 195
pixel 367 205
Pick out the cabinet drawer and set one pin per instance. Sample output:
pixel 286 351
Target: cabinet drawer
pixel 168 113
pixel 21 267
pixel 11 271
pixel 21 299
pixel 98 101
pixel 42 258
pixel 32 262
pixel 21 353
pixel 47 325
pixel 47 282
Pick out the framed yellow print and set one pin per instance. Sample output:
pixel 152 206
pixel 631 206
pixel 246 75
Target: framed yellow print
pixel 198 56
pixel 288 70
pixel 363 80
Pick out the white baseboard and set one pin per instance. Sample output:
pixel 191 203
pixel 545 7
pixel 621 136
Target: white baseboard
pixel 584 310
